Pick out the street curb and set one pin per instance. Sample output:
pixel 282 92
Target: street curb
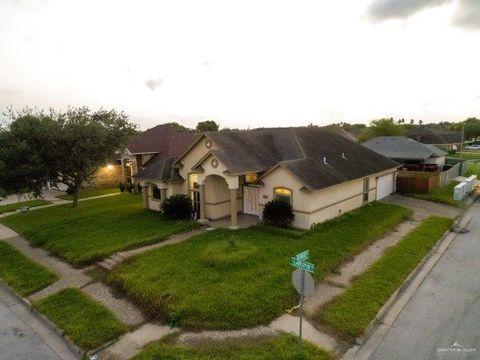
pixel 442 244
pixel 46 321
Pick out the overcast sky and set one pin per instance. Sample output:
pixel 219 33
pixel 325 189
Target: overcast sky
pixel 244 63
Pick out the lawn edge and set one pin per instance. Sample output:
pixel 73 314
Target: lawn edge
pixel 46 321
pixel 424 266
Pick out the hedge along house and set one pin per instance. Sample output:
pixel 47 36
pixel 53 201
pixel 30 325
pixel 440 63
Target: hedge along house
pixel 153 145
pixel 321 173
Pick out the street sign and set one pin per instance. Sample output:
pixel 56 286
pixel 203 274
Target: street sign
pixel 309 282
pixel 303 282
pixel 303 265
pixel 304 255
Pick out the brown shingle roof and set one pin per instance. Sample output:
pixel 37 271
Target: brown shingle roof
pixel 302 151
pixel 166 140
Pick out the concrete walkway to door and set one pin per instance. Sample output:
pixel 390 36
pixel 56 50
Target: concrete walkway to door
pixel 243 221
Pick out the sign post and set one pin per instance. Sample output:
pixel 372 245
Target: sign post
pixel 303 283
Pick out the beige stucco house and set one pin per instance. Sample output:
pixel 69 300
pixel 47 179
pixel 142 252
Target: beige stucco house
pixel 225 173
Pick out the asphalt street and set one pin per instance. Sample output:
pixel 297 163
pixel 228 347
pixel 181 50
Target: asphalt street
pixel 24 337
pixel 442 319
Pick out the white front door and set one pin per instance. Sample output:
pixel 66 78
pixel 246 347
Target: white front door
pixel 250 200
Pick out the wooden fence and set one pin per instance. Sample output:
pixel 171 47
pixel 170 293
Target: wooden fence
pixel 417 181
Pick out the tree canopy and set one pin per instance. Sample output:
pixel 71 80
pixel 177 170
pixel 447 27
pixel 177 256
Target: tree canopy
pixel 382 127
pixel 59 147
pixel 207 125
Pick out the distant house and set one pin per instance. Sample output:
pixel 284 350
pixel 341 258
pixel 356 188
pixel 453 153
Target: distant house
pixel 412 154
pixel 321 173
pixel 152 147
pixel 441 137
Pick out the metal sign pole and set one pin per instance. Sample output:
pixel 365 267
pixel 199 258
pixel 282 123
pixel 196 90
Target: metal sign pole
pixel 301 311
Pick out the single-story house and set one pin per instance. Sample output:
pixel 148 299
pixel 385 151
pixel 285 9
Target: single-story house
pixel 440 137
pixel 412 154
pixel 321 173
pixel 155 144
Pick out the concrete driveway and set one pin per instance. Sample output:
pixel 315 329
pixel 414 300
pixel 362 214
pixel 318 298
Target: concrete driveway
pixel 441 320
pixel 24 337
pixel 424 208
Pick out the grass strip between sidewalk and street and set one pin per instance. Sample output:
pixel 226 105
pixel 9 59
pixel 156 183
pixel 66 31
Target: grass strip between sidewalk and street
pixel 232 280
pixel 19 205
pixel 284 347
pixel 351 313
pixel 86 322
pixel 21 273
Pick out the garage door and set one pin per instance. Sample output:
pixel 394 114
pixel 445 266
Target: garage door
pixel 384 186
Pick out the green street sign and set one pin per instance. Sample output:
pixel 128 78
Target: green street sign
pixel 304 255
pixel 303 265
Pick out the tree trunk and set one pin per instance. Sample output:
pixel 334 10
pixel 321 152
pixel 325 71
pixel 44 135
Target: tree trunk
pixel 75 196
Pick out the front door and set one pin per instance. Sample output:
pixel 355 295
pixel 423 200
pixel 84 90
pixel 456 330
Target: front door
pixel 250 200
pixel 196 204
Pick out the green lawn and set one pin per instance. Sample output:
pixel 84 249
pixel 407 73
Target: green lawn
pixel 86 193
pixel 88 323
pixel 442 195
pixel 22 274
pixel 230 280
pixel 473 169
pixel 284 347
pixel 96 229
pixel 16 206
pixel 467 155
pixel 350 313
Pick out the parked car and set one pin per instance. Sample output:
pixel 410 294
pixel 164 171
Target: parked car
pixel 472 147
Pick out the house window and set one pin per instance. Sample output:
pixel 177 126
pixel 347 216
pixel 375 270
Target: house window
pixel 156 193
pixel 366 186
pixel 283 193
pixel 250 178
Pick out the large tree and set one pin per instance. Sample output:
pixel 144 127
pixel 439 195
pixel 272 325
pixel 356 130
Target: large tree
pixel 382 127
pixel 26 154
pixel 67 147
pixel 472 128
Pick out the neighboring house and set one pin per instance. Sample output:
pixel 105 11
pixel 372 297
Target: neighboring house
pixel 412 154
pixel 320 172
pixel 441 137
pixel 151 146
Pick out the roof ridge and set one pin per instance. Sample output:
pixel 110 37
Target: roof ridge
pixel 302 150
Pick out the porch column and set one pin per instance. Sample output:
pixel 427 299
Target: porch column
pixel 122 160
pixel 145 195
pixel 163 194
pixel 233 209
pixel 203 212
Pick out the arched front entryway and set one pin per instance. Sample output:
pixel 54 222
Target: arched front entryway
pixel 219 198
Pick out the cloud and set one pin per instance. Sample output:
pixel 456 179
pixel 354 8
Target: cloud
pixel 467 15
pixel 381 10
pixel 152 84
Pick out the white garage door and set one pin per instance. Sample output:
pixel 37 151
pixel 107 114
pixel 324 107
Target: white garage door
pixel 384 186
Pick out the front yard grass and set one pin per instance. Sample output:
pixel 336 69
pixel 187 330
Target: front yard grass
pixel 230 280
pixel 18 205
pixel 88 323
pixel 86 193
pixel 96 229
pixel 442 195
pixel 473 169
pixel 467 155
pixel 284 347
pixel 21 273
pixel 350 313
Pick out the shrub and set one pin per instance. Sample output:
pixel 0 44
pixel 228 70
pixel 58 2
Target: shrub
pixel 130 187
pixel 122 187
pixel 278 212
pixel 177 206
